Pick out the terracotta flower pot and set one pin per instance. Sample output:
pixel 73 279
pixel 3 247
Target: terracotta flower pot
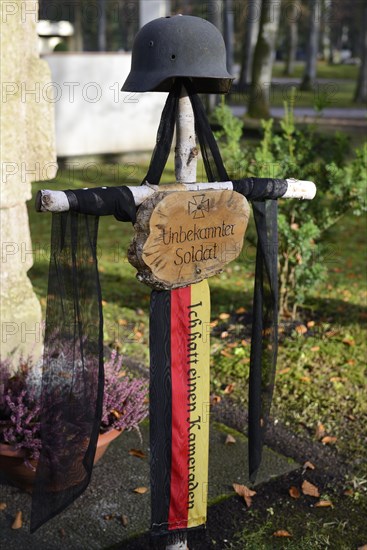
pixel 103 442
pixel 12 461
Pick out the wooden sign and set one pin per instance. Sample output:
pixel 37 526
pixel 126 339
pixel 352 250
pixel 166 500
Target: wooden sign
pixel 184 237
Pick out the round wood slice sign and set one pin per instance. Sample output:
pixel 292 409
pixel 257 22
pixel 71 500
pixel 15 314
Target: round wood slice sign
pixel 192 236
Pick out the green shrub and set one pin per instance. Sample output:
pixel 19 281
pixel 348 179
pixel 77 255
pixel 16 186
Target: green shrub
pixel 306 155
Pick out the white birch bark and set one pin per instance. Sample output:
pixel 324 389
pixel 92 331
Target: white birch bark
pixel 186 151
pixel 56 201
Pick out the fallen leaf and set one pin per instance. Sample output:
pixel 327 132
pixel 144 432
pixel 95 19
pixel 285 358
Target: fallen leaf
pixel 310 324
pixel 338 379
pixel 282 533
pixel 349 341
pixel 138 453
pixel 226 353
pixel 284 371
pixel 324 504
pixel 244 492
pixel 305 379
pixel 241 310
pixel 230 440
pixel 294 226
pixel 301 329
pixel 3 505
pixel 320 431
pixel 310 489
pixel 140 490
pixel 229 388
pixel 117 414
pixel 18 521
pixel 315 348
pixel 351 362
pixel 294 492
pixel 122 322
pixel 215 399
pixel 244 342
pixel 348 492
pixel 308 465
pixel 328 439
pixel 224 334
pixel 224 316
pixel 363 547
pixel 124 520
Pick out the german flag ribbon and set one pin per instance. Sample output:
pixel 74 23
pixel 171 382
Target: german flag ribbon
pixel 179 406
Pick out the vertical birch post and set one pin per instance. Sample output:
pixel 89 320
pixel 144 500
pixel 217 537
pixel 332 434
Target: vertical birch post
pixel 186 151
pixel 185 171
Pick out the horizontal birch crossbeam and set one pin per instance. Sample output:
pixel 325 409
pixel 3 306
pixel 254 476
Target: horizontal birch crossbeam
pixel 48 200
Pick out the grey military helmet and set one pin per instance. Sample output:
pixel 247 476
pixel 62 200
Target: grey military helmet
pixel 178 46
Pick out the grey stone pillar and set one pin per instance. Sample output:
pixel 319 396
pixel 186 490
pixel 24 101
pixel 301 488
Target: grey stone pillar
pixel 27 154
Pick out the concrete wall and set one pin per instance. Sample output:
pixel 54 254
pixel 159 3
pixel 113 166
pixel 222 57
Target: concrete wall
pixel 92 115
pixel 27 154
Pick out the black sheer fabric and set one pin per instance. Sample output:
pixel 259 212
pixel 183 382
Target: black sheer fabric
pixel 72 383
pixel 264 340
pixel 263 193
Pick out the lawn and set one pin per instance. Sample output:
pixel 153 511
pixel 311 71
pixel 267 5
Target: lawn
pixel 335 89
pixel 324 70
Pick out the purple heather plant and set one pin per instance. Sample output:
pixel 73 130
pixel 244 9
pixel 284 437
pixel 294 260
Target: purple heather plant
pixel 124 404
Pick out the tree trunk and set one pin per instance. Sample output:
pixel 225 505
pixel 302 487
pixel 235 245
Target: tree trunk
pixel 214 16
pixel 326 30
pixel 214 8
pixel 361 90
pixel 228 32
pixel 78 27
pixel 309 75
pixel 292 37
pixel 249 41
pixel 102 25
pixel 259 102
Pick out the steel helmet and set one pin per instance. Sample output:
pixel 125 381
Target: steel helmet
pixel 178 46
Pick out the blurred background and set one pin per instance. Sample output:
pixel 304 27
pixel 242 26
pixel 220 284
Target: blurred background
pixel 311 50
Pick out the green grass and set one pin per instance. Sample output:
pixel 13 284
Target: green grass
pixel 336 90
pixel 339 528
pixel 321 369
pixel 334 94
pixel 324 70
